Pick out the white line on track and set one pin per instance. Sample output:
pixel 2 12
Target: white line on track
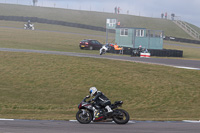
pixel 191 68
pixel 191 121
pixel 2 119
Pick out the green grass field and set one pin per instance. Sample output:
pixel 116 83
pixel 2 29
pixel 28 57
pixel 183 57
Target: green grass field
pixel 39 86
pixel 188 52
pixel 50 87
pixel 44 40
pixel 94 18
pixel 59 41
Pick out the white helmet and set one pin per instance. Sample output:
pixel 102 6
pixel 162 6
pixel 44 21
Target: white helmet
pixel 93 90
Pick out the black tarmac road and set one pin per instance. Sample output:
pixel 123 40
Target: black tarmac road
pixel 26 126
pixel 179 63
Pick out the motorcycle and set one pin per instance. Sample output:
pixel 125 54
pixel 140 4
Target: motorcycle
pixel 104 49
pixel 85 114
pixel 31 26
pixel 137 52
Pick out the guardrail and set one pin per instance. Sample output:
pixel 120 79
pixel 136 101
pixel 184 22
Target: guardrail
pixel 188 29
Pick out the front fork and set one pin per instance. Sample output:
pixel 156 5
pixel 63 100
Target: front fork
pixel 83 111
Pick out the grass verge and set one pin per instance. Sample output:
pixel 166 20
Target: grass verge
pixel 63 41
pixel 93 18
pixel 39 86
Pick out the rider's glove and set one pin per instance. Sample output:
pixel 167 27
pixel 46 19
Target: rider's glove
pixel 90 100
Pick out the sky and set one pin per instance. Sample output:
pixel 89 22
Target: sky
pixel 186 10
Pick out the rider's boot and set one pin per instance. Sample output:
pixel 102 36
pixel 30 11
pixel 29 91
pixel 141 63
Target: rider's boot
pixel 94 112
pixel 109 109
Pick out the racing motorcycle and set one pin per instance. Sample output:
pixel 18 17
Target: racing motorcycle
pixel 31 26
pixel 86 114
pixel 104 49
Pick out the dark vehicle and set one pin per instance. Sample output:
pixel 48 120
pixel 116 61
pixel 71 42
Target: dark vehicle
pixel 85 114
pixel 90 44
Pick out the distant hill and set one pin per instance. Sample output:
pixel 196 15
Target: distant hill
pixel 94 18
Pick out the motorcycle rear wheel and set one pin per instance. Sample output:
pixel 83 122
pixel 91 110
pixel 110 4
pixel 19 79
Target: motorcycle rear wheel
pixel 122 118
pixel 84 118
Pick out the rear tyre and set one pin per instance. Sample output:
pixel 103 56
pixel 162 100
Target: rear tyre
pixel 84 118
pixel 122 117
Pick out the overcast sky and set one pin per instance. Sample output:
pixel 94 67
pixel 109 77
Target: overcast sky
pixel 186 10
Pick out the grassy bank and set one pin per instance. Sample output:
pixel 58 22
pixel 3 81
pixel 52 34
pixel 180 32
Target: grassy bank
pixel 39 86
pixel 190 51
pixel 93 18
pixel 60 41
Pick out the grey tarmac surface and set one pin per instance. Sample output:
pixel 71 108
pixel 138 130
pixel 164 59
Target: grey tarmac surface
pixel 31 126
pixel 179 63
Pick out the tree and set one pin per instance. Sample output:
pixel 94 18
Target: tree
pixel 34 2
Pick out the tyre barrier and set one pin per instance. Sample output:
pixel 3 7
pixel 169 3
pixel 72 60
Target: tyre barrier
pixel 154 52
pixel 166 52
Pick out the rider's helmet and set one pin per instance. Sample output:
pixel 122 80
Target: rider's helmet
pixel 93 90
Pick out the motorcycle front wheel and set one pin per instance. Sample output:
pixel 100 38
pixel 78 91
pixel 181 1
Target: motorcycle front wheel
pixel 122 116
pixel 84 117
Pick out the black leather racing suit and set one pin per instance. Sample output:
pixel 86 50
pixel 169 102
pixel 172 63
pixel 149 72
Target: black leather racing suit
pixel 101 99
pixel 28 24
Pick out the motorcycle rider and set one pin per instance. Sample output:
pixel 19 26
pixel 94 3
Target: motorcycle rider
pixel 104 49
pixel 140 48
pixel 29 24
pixel 100 99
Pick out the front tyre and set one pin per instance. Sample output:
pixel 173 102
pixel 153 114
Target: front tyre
pixel 84 117
pixel 121 117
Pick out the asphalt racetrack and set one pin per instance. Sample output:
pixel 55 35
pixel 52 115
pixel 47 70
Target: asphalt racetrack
pixel 178 63
pixel 36 126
